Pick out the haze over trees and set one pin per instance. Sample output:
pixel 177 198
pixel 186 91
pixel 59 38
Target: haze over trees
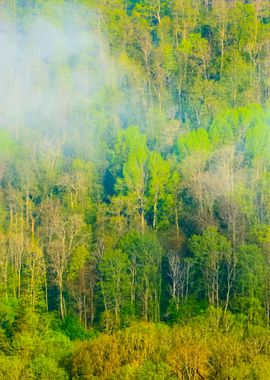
pixel 134 189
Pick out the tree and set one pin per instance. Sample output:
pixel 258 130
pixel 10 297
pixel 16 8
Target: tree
pixel 35 269
pixel 159 171
pixel 64 234
pixel 195 149
pixel 114 282
pixel 133 181
pixel 251 275
pixel 209 249
pixel 145 257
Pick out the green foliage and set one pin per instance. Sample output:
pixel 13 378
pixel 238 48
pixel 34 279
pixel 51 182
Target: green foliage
pixel 45 368
pixel 251 276
pixel 186 311
pixel 144 198
pixel 72 327
pixel 196 141
pixel 156 352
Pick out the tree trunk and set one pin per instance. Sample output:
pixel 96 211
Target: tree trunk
pixel 61 300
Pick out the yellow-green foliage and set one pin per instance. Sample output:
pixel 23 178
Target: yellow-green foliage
pixel 181 352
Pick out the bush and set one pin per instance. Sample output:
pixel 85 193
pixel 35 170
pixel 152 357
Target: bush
pixel 46 368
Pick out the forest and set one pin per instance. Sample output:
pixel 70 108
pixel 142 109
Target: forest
pixel 134 189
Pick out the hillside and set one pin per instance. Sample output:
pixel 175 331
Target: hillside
pixel 134 189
